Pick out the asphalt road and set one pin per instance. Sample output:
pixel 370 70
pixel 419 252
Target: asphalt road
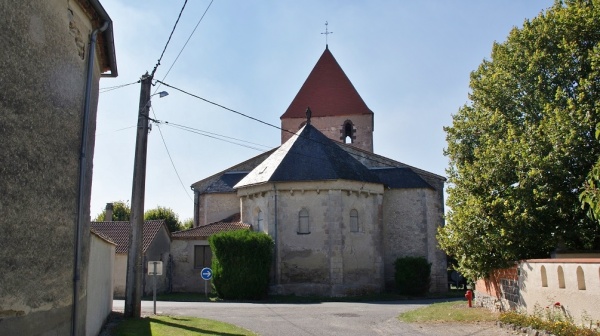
pixel 328 318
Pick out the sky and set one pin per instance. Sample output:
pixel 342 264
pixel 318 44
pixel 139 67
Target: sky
pixel 409 60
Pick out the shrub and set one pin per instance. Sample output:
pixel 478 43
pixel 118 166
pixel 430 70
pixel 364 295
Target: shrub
pixel 241 264
pixel 556 327
pixel 412 275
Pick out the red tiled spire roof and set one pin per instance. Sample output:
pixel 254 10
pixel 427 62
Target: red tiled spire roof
pixel 328 92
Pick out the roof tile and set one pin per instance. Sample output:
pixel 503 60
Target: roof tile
pixel 119 232
pixel 328 92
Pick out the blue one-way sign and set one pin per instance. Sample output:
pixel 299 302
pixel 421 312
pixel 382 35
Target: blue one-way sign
pixel 206 273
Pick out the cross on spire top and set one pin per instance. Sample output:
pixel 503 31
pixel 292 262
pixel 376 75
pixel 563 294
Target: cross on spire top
pixel 326 33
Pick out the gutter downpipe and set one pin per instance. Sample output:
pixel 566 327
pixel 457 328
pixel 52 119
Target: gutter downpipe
pixel 275 254
pixel 82 177
pixel 196 208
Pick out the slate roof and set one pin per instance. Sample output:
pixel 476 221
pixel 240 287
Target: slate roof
pixel 205 231
pixel 308 156
pixel 400 178
pixel 237 217
pixel 118 232
pixel 218 183
pixel 225 182
pixel 327 91
pixel 373 161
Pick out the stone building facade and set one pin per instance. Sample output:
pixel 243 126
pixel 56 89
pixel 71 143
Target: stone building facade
pixel 51 68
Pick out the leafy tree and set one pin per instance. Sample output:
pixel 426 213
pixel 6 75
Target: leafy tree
pixel 170 217
pixel 187 224
pixel 519 152
pixel 590 197
pixel 121 212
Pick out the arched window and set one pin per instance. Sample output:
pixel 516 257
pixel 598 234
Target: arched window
pixel 354 220
pixel 348 132
pixel 303 223
pixel 580 278
pixel 544 277
pixel 259 221
pixel 561 277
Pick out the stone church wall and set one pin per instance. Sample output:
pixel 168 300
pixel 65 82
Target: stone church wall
pixel 329 260
pixel 333 127
pixel 411 219
pixel 262 201
pixel 215 207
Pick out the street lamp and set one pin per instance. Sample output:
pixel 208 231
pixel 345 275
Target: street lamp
pixel 161 94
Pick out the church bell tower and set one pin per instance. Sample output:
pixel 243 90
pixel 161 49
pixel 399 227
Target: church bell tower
pixel 337 110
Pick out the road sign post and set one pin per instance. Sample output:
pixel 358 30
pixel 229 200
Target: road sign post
pixel 206 274
pixel 154 269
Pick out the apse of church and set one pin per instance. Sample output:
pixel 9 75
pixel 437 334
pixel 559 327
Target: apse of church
pixel 340 215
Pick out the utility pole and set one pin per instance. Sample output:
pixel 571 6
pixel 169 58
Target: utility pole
pixel 133 285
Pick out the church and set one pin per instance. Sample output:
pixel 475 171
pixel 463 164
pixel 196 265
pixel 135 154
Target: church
pixel 339 214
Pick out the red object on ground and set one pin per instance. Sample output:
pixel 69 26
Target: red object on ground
pixel 469 297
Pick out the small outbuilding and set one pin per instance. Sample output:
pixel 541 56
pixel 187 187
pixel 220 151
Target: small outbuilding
pixel 156 247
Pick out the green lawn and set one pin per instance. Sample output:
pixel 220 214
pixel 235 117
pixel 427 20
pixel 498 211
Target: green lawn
pixel 176 326
pixel 457 311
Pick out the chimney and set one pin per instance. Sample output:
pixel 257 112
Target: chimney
pixel 108 216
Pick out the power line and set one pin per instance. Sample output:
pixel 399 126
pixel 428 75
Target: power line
pixel 167 73
pixel 169 40
pixel 199 132
pixel 192 130
pixel 117 130
pixel 333 143
pixel 111 88
pixel 186 43
pixel 171 159
pixel 220 137
pixel 207 133
pixel 221 106
pixel 268 124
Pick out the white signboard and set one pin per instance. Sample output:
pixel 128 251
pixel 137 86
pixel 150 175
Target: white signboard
pixel 151 268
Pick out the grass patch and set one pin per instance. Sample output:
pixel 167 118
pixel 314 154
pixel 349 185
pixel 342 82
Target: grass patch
pixel 457 311
pixel 183 297
pixel 176 326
